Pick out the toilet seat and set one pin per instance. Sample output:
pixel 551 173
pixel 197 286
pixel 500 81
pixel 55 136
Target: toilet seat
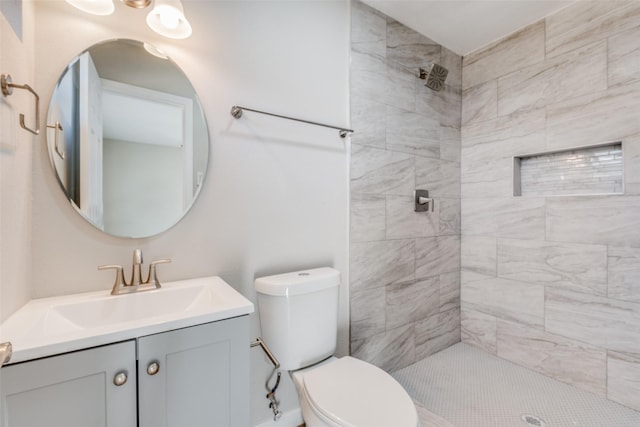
pixel 353 393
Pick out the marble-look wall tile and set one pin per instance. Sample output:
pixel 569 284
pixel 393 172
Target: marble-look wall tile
pixel 623 379
pixel 410 48
pixel 437 255
pixel 517 218
pixel 568 267
pixel 437 332
pixel 368 74
pixel 585 22
pixel 368 218
pixel 391 350
pixel 521 49
pixel 468 276
pixel 399 122
pixel 450 144
pixel 400 87
pixel 376 264
pixel 367 312
pixel 480 102
pixel 558 265
pixel 578 73
pixel 599 117
pixel 381 171
pixel 440 177
pixel 631 158
pixel 367 56
pixel 624 57
pixel 430 103
pixel 605 220
pixel 599 321
pixel 367 24
pixel 453 63
pixel 451 115
pixel 449 213
pixel 403 222
pixel 505 299
pixel 478 329
pixel 624 273
pixel 449 291
pixel 572 362
pixel 410 302
pixel 412 133
pixel 488 168
pixel 510 129
pixel 369 119
pixel 444 105
pixel 479 254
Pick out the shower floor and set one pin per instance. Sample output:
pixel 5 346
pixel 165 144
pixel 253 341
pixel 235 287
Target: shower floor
pixel 463 386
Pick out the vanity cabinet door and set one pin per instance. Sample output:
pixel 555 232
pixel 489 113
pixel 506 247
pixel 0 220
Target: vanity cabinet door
pixel 72 390
pixel 200 377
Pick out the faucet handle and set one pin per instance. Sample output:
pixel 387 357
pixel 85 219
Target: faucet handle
pixel 119 282
pixel 152 278
pixel 137 257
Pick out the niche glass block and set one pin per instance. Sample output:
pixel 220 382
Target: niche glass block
pixel 578 171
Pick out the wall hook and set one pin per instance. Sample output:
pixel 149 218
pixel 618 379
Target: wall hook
pixel 7 89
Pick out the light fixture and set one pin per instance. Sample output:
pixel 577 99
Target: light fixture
pixel 94 7
pixel 137 4
pixel 155 51
pixel 167 19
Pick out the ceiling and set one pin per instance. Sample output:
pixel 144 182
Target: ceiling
pixel 464 26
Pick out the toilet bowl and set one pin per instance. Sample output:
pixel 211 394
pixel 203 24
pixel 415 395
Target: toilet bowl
pixel 348 392
pixel 298 313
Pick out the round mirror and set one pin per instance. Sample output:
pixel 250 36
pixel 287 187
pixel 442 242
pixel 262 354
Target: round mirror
pixel 127 138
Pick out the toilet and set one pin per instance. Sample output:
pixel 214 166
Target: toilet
pixel 299 317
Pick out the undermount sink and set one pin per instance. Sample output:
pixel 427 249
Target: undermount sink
pixel 55 325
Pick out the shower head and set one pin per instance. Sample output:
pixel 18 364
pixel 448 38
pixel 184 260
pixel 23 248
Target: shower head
pixel 435 76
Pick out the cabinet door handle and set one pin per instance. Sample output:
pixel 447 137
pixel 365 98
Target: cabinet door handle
pixel 120 378
pixel 153 368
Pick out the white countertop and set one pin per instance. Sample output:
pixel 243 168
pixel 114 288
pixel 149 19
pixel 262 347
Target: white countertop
pixel 48 326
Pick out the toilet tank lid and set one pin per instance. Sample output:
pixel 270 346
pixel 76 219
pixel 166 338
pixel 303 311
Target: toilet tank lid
pixel 298 282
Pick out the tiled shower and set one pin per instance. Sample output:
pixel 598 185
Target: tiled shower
pixel 405 266
pixel 549 282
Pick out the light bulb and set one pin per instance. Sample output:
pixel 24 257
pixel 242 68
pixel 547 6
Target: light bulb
pixel 170 18
pixel 167 18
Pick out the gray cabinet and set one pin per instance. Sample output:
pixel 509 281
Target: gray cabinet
pixel 196 376
pixel 202 376
pixel 72 390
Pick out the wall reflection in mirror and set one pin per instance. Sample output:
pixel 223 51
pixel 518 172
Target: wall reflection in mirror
pixel 127 138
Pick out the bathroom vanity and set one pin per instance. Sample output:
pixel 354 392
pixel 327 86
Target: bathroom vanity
pixel 176 356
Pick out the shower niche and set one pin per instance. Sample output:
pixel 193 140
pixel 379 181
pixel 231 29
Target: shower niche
pixel 590 170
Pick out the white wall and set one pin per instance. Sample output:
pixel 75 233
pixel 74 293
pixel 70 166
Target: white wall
pixel 16 148
pixel 275 197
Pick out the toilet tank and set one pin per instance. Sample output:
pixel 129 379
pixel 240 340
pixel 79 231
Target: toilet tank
pixel 299 315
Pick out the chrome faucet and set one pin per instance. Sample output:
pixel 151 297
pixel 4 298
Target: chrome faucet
pixel 136 283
